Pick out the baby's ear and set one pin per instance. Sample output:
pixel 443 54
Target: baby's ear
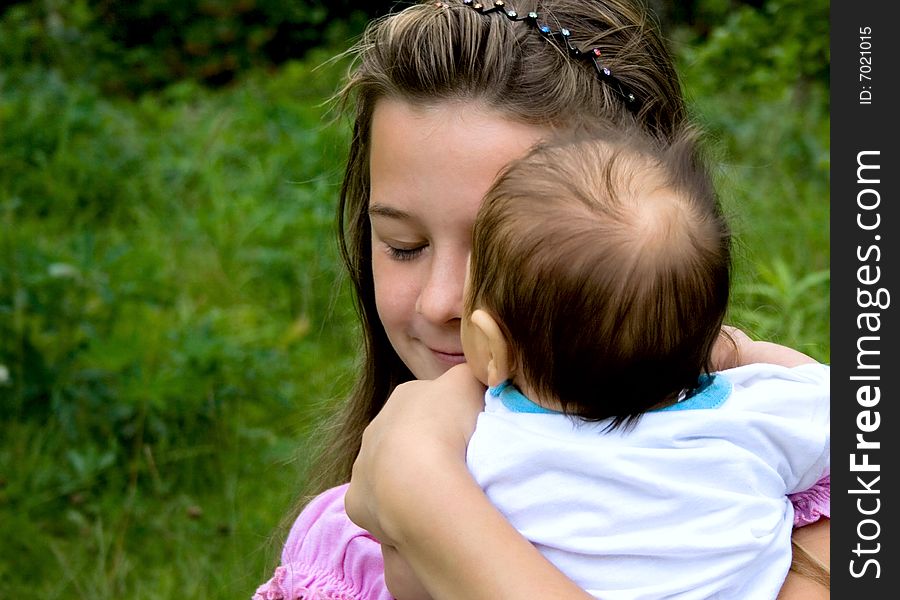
pixel 500 364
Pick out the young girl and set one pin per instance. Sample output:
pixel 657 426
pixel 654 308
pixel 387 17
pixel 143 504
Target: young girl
pixel 444 97
pixel 598 284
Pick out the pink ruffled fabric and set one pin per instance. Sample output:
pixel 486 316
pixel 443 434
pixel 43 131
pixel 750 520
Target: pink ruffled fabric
pixel 812 504
pixel 327 557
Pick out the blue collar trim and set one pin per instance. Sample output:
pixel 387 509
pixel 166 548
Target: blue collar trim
pixel 516 401
pixel 712 393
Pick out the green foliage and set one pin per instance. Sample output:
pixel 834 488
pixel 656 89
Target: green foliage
pixel 169 325
pixel 786 305
pixel 759 84
pixel 762 50
pixel 131 47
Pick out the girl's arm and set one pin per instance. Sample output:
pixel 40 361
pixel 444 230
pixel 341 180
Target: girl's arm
pixel 399 577
pixel 815 538
pixel 412 490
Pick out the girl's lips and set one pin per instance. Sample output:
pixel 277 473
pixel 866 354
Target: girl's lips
pixel 450 358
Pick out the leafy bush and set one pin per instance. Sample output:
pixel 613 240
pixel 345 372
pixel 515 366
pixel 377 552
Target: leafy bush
pixel 759 84
pixel 131 47
pixel 169 326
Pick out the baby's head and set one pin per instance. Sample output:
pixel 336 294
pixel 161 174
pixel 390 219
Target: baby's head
pixel 599 275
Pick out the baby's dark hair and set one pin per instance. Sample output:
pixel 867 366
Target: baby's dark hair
pixel 606 260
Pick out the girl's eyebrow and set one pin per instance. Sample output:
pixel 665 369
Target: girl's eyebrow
pixel 381 210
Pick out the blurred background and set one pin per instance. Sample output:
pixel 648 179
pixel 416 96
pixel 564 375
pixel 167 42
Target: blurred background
pixel 173 319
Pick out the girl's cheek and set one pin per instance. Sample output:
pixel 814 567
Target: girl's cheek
pixel 396 288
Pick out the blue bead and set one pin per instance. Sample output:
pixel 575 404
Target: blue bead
pixel 545 29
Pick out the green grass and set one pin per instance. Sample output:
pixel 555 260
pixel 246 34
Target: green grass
pixel 172 326
pixel 779 211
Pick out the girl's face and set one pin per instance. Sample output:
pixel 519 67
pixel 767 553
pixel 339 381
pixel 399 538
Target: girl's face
pixel 429 168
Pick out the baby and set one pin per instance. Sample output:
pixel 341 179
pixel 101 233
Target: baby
pixel 597 288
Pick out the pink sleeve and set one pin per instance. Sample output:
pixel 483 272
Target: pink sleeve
pixel 812 504
pixel 327 557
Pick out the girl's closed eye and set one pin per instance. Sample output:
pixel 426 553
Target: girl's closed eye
pixel 396 232
pixel 404 253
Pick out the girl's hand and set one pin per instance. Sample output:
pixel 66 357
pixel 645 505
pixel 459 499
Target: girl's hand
pixel 421 424
pixel 734 348
pixel 726 350
pixel 412 490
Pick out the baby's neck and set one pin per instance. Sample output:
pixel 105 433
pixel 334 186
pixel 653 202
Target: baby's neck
pixel 551 402
pixel 548 401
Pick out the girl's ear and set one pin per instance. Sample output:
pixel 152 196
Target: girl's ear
pixel 500 365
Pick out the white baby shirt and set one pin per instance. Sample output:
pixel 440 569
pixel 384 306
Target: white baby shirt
pixel 690 504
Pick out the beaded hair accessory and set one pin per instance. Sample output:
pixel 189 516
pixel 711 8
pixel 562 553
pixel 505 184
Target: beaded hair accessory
pixel 564 36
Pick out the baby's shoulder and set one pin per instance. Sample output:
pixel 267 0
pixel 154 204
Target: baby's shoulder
pixel 803 391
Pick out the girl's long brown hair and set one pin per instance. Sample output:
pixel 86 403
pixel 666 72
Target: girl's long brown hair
pixel 429 53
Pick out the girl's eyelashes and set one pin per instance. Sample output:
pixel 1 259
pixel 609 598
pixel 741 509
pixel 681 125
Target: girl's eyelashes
pixel 402 254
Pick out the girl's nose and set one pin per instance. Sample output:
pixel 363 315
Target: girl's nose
pixel 440 300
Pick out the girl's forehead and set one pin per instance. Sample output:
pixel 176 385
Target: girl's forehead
pixel 443 152
pixel 462 122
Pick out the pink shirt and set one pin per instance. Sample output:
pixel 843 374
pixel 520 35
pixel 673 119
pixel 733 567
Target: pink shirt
pixel 327 557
